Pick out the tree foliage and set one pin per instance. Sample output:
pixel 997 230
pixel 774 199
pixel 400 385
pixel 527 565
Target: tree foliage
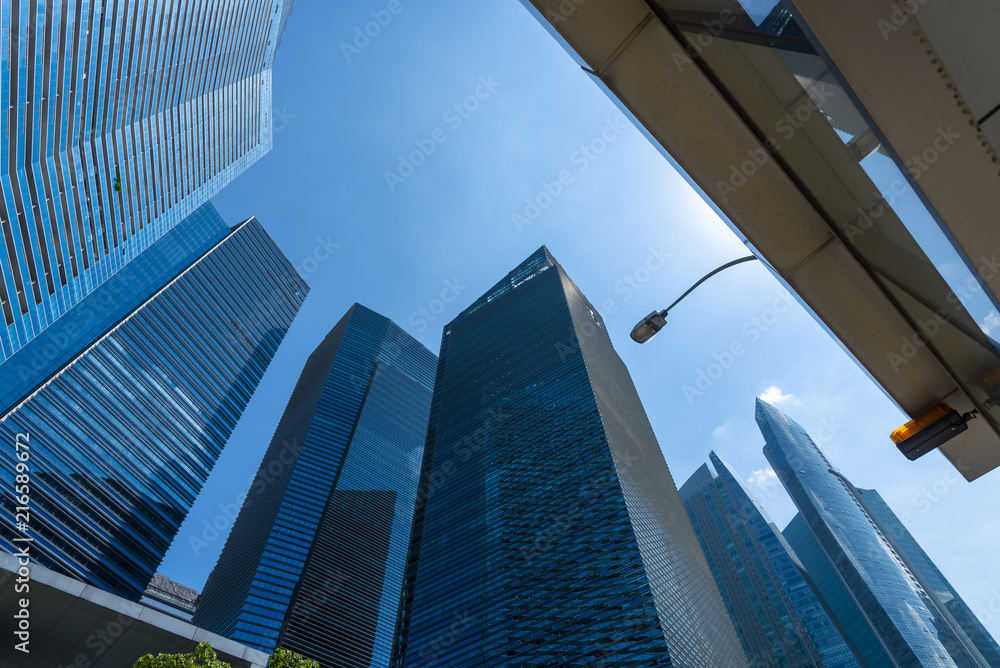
pixel 202 657
pixel 205 657
pixel 282 658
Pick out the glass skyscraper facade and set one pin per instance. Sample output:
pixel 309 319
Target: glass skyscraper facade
pixel 120 120
pixel 548 530
pixel 931 579
pixel 871 589
pixel 123 437
pixel 831 588
pixel 108 303
pixel 778 617
pixel 316 557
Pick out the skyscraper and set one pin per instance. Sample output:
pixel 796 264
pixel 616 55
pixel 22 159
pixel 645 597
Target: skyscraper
pixel 778 617
pixel 122 120
pixel 831 588
pixel 890 617
pixel 108 303
pixel 931 579
pixel 316 557
pixel 548 530
pixel 125 434
pixel 171 597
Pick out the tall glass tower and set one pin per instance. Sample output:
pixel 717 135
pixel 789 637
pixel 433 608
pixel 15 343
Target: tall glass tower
pixel 548 530
pixel 120 120
pixel 872 590
pixel 123 437
pixel 315 559
pixel 778 617
pixel 108 303
pixel 931 579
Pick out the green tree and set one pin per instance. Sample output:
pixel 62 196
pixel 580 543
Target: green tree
pixel 202 657
pixel 205 657
pixel 282 658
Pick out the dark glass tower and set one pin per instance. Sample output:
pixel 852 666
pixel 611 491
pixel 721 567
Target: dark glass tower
pixel 778 617
pixel 549 531
pixel 931 579
pixel 889 616
pixel 123 437
pixel 315 560
pixel 121 120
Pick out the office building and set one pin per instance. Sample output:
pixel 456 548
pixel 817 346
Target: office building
pixel 548 529
pixel 831 588
pixel 853 146
pixel 930 578
pixel 124 119
pixel 108 303
pixel 171 597
pixel 888 616
pixel 315 559
pixel 124 435
pixel 777 615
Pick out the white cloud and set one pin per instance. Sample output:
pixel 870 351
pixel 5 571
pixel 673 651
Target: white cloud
pixel 762 477
pixel 992 323
pixel 774 396
pixel 770 496
pixel 724 432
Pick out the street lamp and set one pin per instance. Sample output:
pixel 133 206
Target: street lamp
pixel 656 320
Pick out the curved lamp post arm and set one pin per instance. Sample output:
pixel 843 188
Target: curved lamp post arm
pixel 655 321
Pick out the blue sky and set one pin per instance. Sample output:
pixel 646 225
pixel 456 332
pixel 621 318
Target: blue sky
pixel 532 129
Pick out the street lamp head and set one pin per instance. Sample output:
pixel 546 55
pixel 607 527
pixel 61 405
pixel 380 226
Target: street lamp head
pixel 655 321
pixel 649 326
